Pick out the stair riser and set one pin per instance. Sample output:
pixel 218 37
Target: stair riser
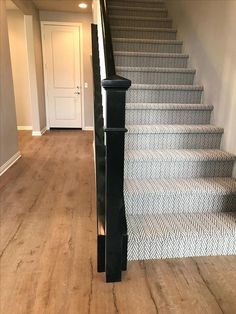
pixel 151 117
pixel 169 78
pixel 138 4
pixel 144 47
pixel 138 34
pixel 161 248
pixel 178 169
pixel 164 96
pixel 140 23
pixel 136 141
pixel 141 61
pixel 179 202
pixel 143 13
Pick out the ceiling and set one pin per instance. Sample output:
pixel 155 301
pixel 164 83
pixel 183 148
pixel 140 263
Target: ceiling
pixel 63 5
pixel 10 5
pixel 56 5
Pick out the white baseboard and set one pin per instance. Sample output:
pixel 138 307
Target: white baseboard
pixel 39 133
pixel 88 128
pixel 24 127
pixel 9 163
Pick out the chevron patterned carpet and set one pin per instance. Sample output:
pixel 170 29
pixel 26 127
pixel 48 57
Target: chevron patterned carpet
pixel 179 192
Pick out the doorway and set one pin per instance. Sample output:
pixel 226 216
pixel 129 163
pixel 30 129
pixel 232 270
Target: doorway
pixel 63 75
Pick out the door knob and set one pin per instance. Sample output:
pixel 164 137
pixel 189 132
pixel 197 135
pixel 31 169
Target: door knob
pixel 78 93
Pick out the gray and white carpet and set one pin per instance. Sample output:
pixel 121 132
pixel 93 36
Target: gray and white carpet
pixel 179 192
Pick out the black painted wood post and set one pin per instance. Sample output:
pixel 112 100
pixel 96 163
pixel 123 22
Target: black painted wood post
pixel 116 233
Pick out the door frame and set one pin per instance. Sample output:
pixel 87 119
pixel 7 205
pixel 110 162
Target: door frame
pixel 79 25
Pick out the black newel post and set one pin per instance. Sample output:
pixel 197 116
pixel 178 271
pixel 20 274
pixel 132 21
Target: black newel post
pixel 116 231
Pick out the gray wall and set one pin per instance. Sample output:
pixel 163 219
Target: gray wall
pixel 8 125
pixel 36 64
pixel 19 61
pixel 209 32
pixel 8 132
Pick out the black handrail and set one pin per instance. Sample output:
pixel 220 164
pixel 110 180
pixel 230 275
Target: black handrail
pixel 115 218
pixel 107 40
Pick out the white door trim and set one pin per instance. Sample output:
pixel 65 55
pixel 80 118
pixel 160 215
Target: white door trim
pixel 43 24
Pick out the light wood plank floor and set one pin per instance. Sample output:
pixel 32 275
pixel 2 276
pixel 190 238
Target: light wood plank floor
pixel 48 245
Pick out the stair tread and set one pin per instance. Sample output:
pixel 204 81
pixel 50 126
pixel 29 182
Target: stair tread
pixel 167 87
pixel 144 29
pixel 111 6
pixel 160 186
pixel 174 128
pixel 181 225
pixel 151 54
pixel 149 41
pixel 154 69
pixel 179 155
pixel 166 106
pixel 139 18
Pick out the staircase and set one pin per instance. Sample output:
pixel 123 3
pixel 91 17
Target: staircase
pixel 179 195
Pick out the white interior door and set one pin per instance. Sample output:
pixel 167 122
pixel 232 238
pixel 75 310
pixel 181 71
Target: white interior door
pixel 63 75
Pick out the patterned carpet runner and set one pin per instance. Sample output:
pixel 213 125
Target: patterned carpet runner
pixel 180 196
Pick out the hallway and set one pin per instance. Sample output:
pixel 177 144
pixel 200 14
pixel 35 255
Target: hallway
pixel 48 245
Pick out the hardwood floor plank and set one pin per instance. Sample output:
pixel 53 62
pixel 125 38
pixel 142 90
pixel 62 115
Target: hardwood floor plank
pixel 48 245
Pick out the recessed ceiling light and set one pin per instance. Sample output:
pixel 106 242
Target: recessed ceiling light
pixel 82 5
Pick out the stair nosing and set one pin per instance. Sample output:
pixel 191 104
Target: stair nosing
pixel 137 8
pixel 148 1
pixel 176 155
pixel 172 185
pixel 174 129
pixel 149 41
pixel 155 69
pixel 141 1
pixel 151 54
pixel 166 87
pixel 140 18
pixel 145 29
pixel 168 106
